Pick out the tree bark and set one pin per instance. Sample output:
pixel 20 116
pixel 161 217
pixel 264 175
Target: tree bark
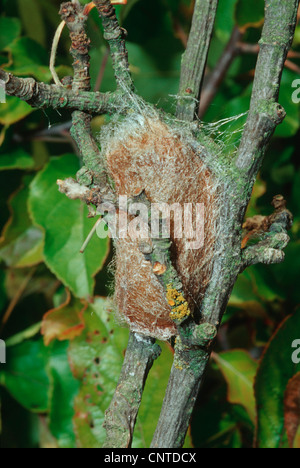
pixel 195 57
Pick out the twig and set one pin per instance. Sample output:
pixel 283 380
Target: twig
pixel 115 36
pixel 121 416
pixel 180 398
pixel 75 19
pixel 90 236
pixel 194 59
pixel 41 95
pixel 270 249
pixel 55 43
pixel 292 66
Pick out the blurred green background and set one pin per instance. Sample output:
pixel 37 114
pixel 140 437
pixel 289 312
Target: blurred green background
pixel 55 386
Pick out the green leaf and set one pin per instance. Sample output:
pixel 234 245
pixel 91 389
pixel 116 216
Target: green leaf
pixel 220 429
pixel 292 408
pixel 24 375
pixel 24 335
pixel 66 227
pixel 127 9
pixel 40 379
pixel 244 297
pixel 63 389
pixel 17 159
pixel 153 396
pixel 65 321
pixel 239 370
pixel 2 290
pixel 285 273
pixel 225 19
pixel 29 58
pixel 96 359
pixel 13 110
pixel 23 243
pixel 10 29
pixel 297 439
pixel 31 14
pixel 275 370
pixel 250 13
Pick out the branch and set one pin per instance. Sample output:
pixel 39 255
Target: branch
pixel 182 390
pixel 121 416
pixel 270 249
pixel 41 95
pixel 115 36
pixel 265 112
pixel 195 57
pixel 75 19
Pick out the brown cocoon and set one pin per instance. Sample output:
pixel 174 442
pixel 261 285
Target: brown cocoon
pixel 148 156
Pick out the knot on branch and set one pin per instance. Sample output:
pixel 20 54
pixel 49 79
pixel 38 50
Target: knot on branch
pixel 74 15
pixel 105 8
pixel 201 336
pixel 114 34
pixel 24 88
pixel 273 110
pixel 190 357
pixel 80 42
pixel 96 196
pixel 273 233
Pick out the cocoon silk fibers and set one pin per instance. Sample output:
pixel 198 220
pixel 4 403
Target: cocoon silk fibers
pixel 144 154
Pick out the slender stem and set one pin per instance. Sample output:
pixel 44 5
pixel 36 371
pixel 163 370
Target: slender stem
pixel 41 95
pixel 73 15
pixel 183 387
pixel 115 36
pixel 121 416
pixel 195 57
pixel 55 43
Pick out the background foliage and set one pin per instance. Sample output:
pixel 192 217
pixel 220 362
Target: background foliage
pixel 64 351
